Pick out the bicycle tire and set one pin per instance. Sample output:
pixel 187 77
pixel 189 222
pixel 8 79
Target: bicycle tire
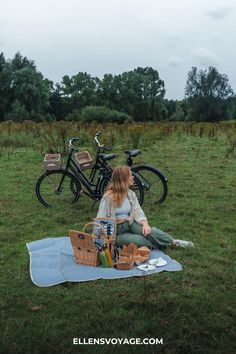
pixel 154 183
pixel 47 188
pixel 137 187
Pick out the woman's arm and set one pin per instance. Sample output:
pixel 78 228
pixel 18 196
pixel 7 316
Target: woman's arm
pixel 102 211
pixel 139 215
pixel 137 211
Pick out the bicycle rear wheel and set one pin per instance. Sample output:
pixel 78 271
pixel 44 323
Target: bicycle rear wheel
pixel 54 189
pixel 136 187
pixel 154 184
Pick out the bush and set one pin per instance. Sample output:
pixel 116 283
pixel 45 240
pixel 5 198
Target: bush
pixel 102 114
pixel 74 116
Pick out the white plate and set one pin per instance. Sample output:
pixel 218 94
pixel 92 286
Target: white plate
pixel 146 267
pixel 157 262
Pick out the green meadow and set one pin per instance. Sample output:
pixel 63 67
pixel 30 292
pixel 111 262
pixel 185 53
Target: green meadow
pixel 192 310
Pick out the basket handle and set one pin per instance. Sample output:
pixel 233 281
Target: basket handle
pixel 94 223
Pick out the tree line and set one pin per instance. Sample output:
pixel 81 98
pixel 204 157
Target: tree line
pixel 137 95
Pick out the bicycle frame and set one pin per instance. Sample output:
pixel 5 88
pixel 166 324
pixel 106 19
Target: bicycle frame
pixel 129 161
pixel 89 184
pixel 98 165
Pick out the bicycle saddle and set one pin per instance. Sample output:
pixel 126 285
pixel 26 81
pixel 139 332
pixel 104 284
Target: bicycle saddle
pixel 132 153
pixel 106 157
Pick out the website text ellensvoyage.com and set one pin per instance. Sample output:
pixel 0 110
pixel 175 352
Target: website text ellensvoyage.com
pixel 118 341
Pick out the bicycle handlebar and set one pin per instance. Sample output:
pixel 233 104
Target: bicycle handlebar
pixel 97 141
pixel 102 146
pixel 71 142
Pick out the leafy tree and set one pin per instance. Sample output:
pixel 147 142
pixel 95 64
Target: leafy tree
pixel 59 105
pixel 108 91
pixel 74 116
pixel 170 107
pixel 22 89
pixel 141 94
pixel 2 61
pixel 138 93
pixel 176 110
pixel 31 91
pixel 207 92
pixel 6 92
pixel 19 62
pixel 80 89
pixel 18 112
pixel 232 107
pixel 179 114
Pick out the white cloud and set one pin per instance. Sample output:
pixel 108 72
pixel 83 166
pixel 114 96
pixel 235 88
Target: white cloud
pixel 204 56
pixel 65 37
pixel 219 12
pixel 174 61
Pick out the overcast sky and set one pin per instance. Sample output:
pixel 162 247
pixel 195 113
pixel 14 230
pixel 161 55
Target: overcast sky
pixel 113 36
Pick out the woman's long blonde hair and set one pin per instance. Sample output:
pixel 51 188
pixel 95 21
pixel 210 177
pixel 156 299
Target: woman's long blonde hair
pixel 119 186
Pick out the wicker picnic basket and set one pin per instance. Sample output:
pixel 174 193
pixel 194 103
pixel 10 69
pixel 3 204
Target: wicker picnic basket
pixel 83 244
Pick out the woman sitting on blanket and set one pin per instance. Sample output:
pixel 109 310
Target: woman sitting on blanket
pixel 121 203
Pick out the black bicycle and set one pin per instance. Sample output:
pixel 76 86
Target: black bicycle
pixel 65 185
pixel 153 181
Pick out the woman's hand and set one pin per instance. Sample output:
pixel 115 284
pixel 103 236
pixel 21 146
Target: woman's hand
pixel 146 228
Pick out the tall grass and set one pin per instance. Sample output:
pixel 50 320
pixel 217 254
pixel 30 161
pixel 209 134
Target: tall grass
pixel 53 137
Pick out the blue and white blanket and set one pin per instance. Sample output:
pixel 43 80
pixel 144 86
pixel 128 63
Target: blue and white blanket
pixel 52 262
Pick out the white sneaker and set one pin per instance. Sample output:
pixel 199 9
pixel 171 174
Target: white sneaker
pixel 184 244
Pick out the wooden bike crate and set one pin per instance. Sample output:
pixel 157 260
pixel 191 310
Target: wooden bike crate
pixel 84 160
pixel 52 162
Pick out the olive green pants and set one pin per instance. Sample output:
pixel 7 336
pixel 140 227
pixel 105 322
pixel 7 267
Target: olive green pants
pixel 133 233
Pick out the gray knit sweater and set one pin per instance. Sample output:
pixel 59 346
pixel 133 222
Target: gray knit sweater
pixel 107 211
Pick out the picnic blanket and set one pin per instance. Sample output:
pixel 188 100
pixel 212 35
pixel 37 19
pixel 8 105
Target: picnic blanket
pixel 52 262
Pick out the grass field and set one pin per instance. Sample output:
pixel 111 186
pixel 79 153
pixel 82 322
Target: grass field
pixel 192 310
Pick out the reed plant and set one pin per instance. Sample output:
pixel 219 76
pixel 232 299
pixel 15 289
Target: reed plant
pixel 53 137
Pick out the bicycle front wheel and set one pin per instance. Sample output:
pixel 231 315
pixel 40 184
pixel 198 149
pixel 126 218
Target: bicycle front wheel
pixel 54 189
pixel 154 184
